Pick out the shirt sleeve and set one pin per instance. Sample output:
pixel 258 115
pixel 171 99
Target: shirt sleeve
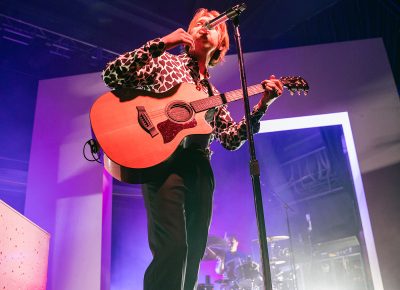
pixel 230 134
pixel 132 69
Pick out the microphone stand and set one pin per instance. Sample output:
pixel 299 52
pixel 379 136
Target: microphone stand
pixel 254 166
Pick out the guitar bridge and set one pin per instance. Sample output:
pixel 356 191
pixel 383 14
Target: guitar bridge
pixel 145 122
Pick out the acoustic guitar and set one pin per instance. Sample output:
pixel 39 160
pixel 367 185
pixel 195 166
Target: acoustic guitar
pixel 139 131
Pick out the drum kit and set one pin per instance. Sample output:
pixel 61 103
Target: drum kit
pixel 247 273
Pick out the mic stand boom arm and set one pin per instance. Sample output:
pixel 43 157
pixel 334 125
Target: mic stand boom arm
pixel 254 166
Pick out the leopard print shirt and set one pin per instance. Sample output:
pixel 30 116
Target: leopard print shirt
pixel 151 68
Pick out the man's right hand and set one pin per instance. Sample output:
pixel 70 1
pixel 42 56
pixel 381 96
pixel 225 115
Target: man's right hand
pixel 178 37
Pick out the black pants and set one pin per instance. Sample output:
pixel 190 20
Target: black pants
pixel 179 206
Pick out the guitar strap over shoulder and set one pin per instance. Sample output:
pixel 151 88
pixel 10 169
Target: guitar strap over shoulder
pixel 206 83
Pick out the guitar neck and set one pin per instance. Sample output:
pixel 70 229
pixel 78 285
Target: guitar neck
pixel 218 100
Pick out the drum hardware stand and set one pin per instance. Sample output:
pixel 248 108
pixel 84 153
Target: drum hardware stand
pixel 310 244
pixel 291 252
pixel 254 166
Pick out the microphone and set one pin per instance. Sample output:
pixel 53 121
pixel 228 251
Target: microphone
pixel 228 14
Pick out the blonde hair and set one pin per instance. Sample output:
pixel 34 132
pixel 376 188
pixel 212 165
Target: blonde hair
pixel 223 41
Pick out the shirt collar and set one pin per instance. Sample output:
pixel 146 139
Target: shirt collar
pixel 192 64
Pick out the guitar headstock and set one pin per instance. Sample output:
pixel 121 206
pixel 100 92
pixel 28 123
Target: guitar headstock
pixel 295 84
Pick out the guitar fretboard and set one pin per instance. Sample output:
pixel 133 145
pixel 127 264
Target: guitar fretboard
pixel 218 100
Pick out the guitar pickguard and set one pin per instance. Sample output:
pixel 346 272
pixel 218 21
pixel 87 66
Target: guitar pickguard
pixel 169 129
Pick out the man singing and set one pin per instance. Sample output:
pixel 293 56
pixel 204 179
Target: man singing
pixel 179 201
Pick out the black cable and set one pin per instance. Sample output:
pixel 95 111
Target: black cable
pixel 94 150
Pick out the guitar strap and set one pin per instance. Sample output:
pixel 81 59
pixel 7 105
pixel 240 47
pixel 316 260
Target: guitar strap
pixel 205 83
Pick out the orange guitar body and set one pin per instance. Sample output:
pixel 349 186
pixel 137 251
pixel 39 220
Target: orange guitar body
pixel 139 131
pixel 135 150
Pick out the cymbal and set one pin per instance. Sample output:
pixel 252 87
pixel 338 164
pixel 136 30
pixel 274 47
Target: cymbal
pixel 223 281
pixel 277 238
pixel 274 239
pixel 217 242
pixel 275 261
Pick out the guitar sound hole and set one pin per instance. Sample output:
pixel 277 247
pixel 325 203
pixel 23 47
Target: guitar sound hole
pixel 180 112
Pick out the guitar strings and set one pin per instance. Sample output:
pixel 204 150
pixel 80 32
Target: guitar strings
pixel 234 95
pixel 209 102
